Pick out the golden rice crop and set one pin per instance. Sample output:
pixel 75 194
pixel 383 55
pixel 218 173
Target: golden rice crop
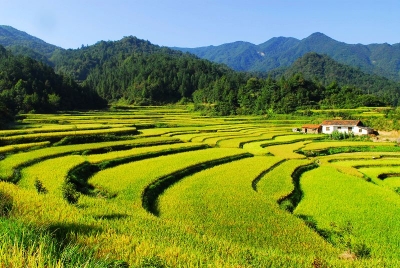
pixel 331 196
pixel 14 161
pixel 54 128
pixel 220 203
pixel 19 147
pixel 51 173
pixel 61 134
pixel 286 151
pixel 332 144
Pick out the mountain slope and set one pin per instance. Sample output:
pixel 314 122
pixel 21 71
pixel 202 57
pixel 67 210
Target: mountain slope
pixel 327 71
pixel 137 71
pixel 13 38
pixel 381 59
pixel 238 55
pixel 27 85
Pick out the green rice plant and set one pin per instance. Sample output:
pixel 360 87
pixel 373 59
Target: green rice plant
pixel 334 197
pixel 226 133
pixel 51 173
pixel 12 163
pixel 20 147
pixel 243 139
pixel 334 147
pixel 24 245
pixel 278 183
pixel 209 136
pixel 352 166
pixel 54 172
pixel 218 203
pixel 371 162
pixel 136 152
pixel 160 166
pixel 287 151
pixel 328 159
pixel 53 128
pixel 384 175
pixel 260 147
pixel 62 134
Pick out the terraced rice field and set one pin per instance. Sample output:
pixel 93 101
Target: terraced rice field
pixel 162 187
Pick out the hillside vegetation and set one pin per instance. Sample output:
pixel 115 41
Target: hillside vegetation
pixel 324 70
pixel 30 86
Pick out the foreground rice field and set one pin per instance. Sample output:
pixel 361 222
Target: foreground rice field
pixel 162 187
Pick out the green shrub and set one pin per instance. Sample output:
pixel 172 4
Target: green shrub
pixel 336 135
pixel 39 187
pixel 362 250
pixel 153 262
pixel 70 193
pixel 6 204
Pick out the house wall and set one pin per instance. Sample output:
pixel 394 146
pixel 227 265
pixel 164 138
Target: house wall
pixel 360 131
pixel 341 129
pixel 344 129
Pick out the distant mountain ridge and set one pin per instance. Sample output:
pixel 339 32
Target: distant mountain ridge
pixel 380 59
pixel 277 52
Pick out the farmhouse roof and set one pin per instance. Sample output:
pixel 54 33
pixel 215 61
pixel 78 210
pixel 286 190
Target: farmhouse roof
pixel 341 123
pixel 311 126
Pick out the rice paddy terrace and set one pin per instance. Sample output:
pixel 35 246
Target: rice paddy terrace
pixel 163 187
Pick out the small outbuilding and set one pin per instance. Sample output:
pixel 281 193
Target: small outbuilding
pixel 311 128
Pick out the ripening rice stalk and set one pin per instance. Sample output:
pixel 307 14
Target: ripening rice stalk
pixel 331 196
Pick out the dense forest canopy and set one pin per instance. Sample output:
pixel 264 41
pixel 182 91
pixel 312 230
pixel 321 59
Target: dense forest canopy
pixel 27 85
pixel 324 70
pixel 266 96
pixel 137 71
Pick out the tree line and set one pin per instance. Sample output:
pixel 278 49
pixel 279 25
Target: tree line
pixel 27 85
pixel 283 95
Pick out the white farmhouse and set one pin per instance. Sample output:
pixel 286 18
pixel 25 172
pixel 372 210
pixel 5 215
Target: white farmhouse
pixel 345 126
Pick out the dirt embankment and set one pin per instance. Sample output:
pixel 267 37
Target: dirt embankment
pixel 388 136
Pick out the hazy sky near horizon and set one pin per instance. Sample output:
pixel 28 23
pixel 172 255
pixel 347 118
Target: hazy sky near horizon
pixel 187 23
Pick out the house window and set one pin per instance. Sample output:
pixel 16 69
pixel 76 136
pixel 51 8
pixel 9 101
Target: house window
pixel 360 130
pixel 339 127
pixel 328 128
pixel 350 129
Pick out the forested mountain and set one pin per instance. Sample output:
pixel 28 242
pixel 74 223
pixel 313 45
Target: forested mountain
pixel 380 59
pixel 137 71
pixel 325 70
pixel 28 85
pixel 22 43
pixel 285 95
pixel 240 56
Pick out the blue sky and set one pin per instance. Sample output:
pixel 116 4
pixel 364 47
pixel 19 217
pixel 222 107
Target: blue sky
pixel 188 23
